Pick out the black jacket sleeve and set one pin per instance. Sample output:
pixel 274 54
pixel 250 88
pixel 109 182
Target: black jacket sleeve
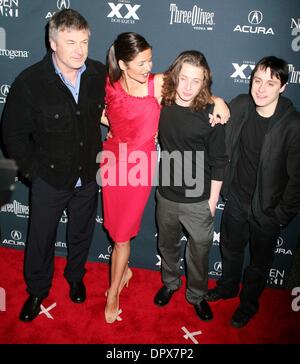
pixel 217 152
pixel 17 128
pixel 289 204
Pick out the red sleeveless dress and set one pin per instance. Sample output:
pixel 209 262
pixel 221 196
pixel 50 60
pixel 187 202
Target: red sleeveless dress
pixel 128 159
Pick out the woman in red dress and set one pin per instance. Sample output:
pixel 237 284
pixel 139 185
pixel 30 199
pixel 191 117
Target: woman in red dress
pixel 129 155
pixel 128 159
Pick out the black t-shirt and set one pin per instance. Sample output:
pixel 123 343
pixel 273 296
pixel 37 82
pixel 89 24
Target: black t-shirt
pixel 199 153
pixel 252 138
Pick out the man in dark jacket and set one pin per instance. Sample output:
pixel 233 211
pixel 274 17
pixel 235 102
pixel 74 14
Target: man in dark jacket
pixel 51 127
pixel 261 186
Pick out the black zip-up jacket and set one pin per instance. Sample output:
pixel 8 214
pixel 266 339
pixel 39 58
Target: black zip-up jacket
pixel 276 198
pixel 47 132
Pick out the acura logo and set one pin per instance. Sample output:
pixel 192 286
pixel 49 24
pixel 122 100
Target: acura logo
pixel 16 235
pixel 279 242
pixel 109 249
pixel 4 90
pixel 255 17
pixel 63 4
pixel 218 266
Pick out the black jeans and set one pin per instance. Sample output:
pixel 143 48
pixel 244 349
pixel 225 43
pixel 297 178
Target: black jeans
pixel 238 227
pixel 47 205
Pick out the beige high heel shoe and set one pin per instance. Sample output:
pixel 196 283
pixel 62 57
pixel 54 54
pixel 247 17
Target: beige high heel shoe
pixel 124 281
pixel 111 317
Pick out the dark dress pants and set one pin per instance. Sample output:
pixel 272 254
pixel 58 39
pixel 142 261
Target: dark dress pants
pixel 47 205
pixel 238 227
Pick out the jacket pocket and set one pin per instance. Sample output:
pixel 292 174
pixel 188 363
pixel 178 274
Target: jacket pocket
pixel 57 119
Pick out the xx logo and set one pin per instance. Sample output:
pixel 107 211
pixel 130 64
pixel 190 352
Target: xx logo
pixel 115 11
pixel 241 70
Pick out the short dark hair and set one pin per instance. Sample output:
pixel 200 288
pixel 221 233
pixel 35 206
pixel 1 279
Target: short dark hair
pixel 278 68
pixel 67 19
pixel 125 47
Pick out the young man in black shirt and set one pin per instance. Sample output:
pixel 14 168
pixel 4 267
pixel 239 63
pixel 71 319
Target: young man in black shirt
pixel 189 187
pixel 261 184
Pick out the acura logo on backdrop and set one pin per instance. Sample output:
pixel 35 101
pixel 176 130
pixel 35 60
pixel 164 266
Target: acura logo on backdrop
pixel 279 249
pixel 16 235
pixel 217 270
pixel 255 17
pixel 279 242
pixel 106 256
pixel 63 4
pixel 4 90
pixel 218 266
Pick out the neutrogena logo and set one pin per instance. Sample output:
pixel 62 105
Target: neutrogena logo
pixel 10 53
pixel 9 8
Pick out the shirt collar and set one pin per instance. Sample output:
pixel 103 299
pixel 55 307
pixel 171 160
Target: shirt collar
pixel 58 71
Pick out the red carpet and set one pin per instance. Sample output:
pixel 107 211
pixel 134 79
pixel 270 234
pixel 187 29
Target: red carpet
pixel 143 322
